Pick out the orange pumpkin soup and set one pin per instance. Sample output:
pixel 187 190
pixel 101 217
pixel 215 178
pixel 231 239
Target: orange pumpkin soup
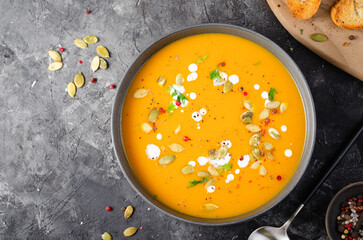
pixel 213 125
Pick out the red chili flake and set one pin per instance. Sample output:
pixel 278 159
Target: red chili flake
pixel 61 49
pixel 274 111
pixel 93 80
pixel 222 64
pixel 88 12
pixel 162 110
pixel 237 186
pixel 186 138
pixel 263 131
pixel 140 228
pixel 249 181
pixel 108 208
pixel 267 121
pixel 80 62
pixel 350 200
pixel 112 86
pixel 245 93
pixel 123 209
pixel 240 158
pixel 177 102
pixel 279 177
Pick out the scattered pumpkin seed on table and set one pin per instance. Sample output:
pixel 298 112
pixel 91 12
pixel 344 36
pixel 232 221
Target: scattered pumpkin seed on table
pixel 130 231
pixel 71 89
pixel 103 52
pixel 140 93
pixel 318 37
pixel 103 64
pixel 55 66
pixel 167 159
pixel 79 80
pixel 106 236
pixel 95 64
pixel 90 39
pixel 128 212
pixel 55 56
pixel 80 43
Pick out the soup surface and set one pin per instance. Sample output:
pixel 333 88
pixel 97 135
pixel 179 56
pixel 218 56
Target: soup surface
pixel 213 125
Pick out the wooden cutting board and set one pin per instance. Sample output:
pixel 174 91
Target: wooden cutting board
pixel 348 58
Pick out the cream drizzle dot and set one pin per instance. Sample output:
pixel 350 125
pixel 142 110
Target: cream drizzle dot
pixel 193 67
pixel 198 127
pixel 192 163
pixel 237 171
pixel 230 177
pixel 203 111
pixel 256 86
pixel 283 128
pixel 159 136
pixel 193 76
pixel 193 95
pixel 227 181
pixel 211 189
pixel 234 79
pixel 264 95
pixel 288 153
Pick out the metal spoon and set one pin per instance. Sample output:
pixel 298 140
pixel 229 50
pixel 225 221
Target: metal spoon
pixel 275 233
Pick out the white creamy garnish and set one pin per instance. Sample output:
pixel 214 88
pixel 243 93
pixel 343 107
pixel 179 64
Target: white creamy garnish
pixel 193 95
pixel 193 67
pixel 211 189
pixel 267 101
pixel 193 76
pixel 218 82
pixel 202 161
pixel 227 181
pixel 184 103
pixel 203 111
pixel 198 127
pixel 220 162
pixel 227 143
pixel 256 86
pixel 181 89
pixel 288 153
pixel 237 171
pixel 224 76
pixel 283 128
pixel 192 163
pixel 264 95
pixel 243 163
pixel 152 151
pixel 230 177
pixel 159 136
pixel 197 116
pixel 234 79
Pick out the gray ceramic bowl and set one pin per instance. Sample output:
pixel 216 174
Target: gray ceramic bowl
pixel 232 30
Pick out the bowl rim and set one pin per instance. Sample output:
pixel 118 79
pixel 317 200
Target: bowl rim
pixel 333 201
pixel 299 80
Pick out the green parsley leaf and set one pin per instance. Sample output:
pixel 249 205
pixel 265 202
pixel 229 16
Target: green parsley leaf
pixel 171 107
pixel 271 94
pixel 202 59
pixel 170 88
pixel 195 182
pixel 215 74
pixel 226 167
pixel 257 63
pixel 174 94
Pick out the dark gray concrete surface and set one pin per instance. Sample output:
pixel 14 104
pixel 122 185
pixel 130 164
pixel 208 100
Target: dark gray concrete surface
pixel 58 170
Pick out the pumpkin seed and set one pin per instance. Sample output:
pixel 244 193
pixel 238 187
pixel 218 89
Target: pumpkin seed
pixel 106 236
pixel 95 64
pixel 130 231
pixel 270 156
pixel 210 182
pixel 187 170
pixel 54 66
pixel 264 114
pixel 268 146
pixel 227 87
pixel 255 139
pixel 256 153
pixel 71 89
pixel 161 81
pixel 176 147
pixel 253 128
pixel 179 79
pixel 90 39
pixel 222 152
pixel 128 212
pixel 212 170
pixel 103 63
pixel 273 105
pixel 283 107
pixel 153 116
pixel 80 43
pixel 248 105
pixel 79 80
pixel 247 120
pixel 140 93
pixel 167 159
pixel 274 133
pixel 255 164
pixel 263 171
pixel 213 153
pixel 318 37
pixel 177 130
pixel 103 52
pixel 146 127
pixel 55 56
pixel 203 174
pixel 246 115
pixel 210 206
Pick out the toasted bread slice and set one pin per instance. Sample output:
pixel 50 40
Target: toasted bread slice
pixel 303 9
pixel 348 14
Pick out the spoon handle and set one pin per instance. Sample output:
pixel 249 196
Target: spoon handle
pixel 336 162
